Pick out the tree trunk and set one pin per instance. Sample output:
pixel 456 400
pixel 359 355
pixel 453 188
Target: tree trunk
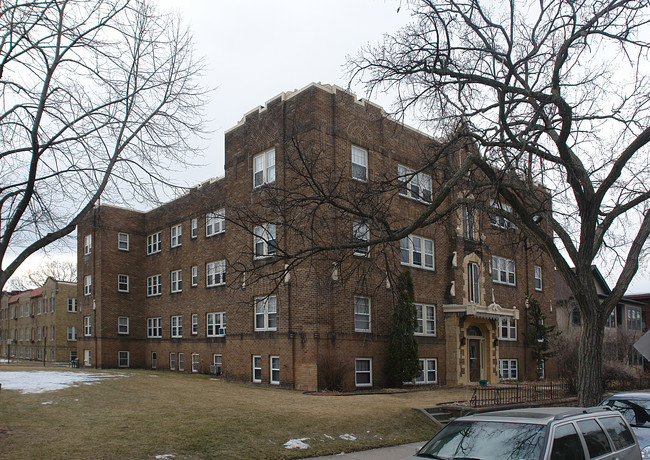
pixel 590 370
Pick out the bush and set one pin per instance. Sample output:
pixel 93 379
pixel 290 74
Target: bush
pixel 332 372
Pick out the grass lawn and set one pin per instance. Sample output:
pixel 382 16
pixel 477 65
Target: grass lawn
pixel 148 413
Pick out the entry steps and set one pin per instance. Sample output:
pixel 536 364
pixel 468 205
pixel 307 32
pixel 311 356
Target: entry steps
pixel 438 416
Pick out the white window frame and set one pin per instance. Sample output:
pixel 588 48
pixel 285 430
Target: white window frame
pixel 195 275
pixel 362 314
pixel 154 285
pixel 508 369
pixel 633 318
pixel 473 283
pixel 359 163
pixel 500 221
pixel 264 168
pixel 361 234
pixel 72 304
pixel 257 368
pixel 417 186
pixel 469 223
pixel 88 282
pixel 217 361
pixel 195 362
pixel 503 271
pixel 215 222
pixel 274 370
pixel 154 243
pixel 123 325
pixel 264 240
pixel 72 334
pixel 415 247
pixel 194 228
pixel 428 371
pixel 122 283
pixel 122 359
pixel 266 313
pixel 122 241
pixel 176 326
pixel 215 273
pixel 154 328
pixel 215 324
pixel 538 277
pixel 172 361
pixel 358 372
pixel 195 324
pixel 426 319
pixel 87 326
pixel 88 244
pixel 181 362
pixel 176 281
pixel 507 329
pixel 176 236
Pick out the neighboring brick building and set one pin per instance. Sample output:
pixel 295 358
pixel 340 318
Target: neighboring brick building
pixel 179 287
pixel 40 324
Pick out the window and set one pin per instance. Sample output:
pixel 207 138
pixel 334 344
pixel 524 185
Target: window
pixel 172 361
pixel 194 228
pixel 264 168
pixel 257 369
pixel 473 283
pixel 469 227
pixel 88 281
pixel 417 252
pixel 215 222
pixel 215 273
pixel 633 318
pixel 265 243
pixel 538 278
pixel 122 283
pixel 363 372
pixel 181 361
pixel 195 324
pixel 72 333
pixel 177 326
pixel 266 312
pixel 500 221
pixel 195 362
pixel 508 369
pixel 217 361
pixel 275 370
pixel 87 326
pixel 503 270
pixel 123 359
pixel 154 327
pixel 595 438
pixel 195 275
pixel 611 319
pixel 428 371
pixel 361 314
pixel 215 324
pixel 154 360
pixel 507 329
pixel 414 185
pixel 359 163
pixel 154 285
pixel 176 235
pixel 426 316
pixel 177 280
pixel 566 443
pixel 122 325
pixel 540 370
pixel 360 234
pixel 123 241
pixel 576 319
pixel 153 243
pixel 88 244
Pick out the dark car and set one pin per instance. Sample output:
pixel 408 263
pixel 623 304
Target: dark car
pixel 546 433
pixel 635 407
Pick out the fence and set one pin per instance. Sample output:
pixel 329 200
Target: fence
pixel 514 394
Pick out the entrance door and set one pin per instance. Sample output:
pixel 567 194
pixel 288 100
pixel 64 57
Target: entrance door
pixel 474 360
pixel 86 357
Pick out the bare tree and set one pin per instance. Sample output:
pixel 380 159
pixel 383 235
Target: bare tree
pixel 60 270
pixel 98 97
pixel 556 95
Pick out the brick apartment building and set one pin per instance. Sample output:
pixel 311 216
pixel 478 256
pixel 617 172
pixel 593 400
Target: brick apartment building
pixel 192 286
pixel 40 324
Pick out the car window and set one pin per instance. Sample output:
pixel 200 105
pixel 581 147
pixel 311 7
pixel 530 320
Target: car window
pixel 595 438
pixel 618 431
pixel 566 444
pixel 634 411
pixel 488 441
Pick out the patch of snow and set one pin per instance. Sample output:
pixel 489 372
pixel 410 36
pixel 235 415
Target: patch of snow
pixel 43 381
pixel 153 376
pixel 328 436
pixel 296 444
pixel 163 456
pixel 348 437
pixel 46 402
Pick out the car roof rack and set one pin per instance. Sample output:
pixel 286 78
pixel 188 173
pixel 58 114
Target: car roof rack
pixel 578 411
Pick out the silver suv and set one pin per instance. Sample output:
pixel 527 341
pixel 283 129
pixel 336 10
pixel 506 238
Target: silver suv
pixel 545 433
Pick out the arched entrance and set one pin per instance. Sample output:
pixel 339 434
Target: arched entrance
pixel 475 351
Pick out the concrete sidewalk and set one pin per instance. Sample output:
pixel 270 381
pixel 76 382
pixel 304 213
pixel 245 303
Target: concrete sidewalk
pixel 385 453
